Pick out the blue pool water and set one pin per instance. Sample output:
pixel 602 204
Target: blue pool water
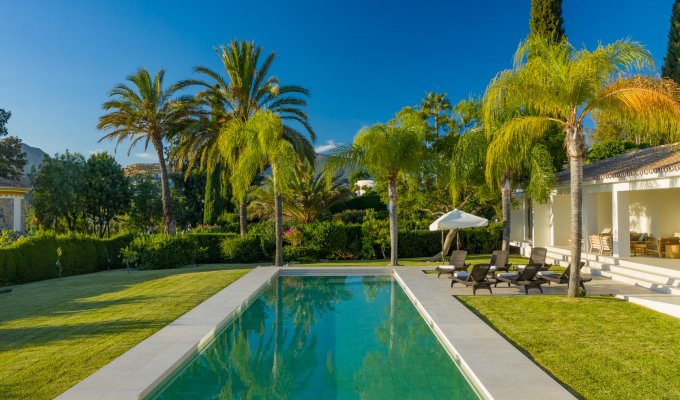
pixel 323 338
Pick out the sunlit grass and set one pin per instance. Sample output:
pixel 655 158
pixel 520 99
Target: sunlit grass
pixel 55 333
pixel 600 347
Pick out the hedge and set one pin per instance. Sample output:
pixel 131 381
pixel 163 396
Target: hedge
pixel 34 258
pixel 211 244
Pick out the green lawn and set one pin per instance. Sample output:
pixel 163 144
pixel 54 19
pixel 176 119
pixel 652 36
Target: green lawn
pixel 600 347
pixel 55 333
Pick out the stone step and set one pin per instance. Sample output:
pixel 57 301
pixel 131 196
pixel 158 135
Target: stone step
pixel 623 270
pixel 634 280
pixel 669 305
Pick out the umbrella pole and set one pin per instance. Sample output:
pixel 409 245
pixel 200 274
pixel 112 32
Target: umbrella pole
pixel 442 247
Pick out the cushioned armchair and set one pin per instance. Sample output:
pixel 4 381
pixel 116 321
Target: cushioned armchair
pixel 642 243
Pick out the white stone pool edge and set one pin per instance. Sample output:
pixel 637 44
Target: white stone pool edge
pixel 496 368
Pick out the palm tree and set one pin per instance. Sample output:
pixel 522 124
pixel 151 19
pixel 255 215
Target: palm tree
pixel 386 151
pixel 250 147
pixel 246 89
pixel 306 198
pixel 435 104
pixel 147 112
pixel 561 85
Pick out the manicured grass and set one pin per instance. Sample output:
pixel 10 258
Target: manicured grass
pixel 55 333
pixel 408 262
pixel 600 347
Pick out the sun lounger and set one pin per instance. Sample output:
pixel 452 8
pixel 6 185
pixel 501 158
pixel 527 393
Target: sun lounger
pixel 499 261
pixel 526 278
pixel 477 278
pixel 563 278
pixel 537 257
pixel 456 263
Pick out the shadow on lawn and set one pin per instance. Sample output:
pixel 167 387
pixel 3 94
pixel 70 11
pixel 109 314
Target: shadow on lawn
pixel 16 338
pixel 66 295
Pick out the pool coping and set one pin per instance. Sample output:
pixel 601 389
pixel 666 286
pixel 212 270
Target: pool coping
pixel 495 367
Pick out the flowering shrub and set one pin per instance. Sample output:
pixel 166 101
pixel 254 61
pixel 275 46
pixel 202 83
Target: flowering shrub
pixel 293 236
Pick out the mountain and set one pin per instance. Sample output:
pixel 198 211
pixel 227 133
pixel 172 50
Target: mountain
pixel 34 157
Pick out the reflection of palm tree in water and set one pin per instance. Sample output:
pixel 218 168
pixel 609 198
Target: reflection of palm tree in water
pixel 411 353
pixel 267 352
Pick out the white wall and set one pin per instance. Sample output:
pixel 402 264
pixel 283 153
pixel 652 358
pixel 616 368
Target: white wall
pixel 541 224
pixel 561 219
pixel 655 211
pixel 518 220
pixel 604 211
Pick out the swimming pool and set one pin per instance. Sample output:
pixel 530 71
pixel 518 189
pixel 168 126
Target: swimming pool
pixel 322 337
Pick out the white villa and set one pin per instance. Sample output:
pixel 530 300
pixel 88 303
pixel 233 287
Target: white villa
pixel 12 209
pixel 631 218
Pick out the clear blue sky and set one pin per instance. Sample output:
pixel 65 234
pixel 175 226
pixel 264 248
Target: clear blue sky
pixel 361 60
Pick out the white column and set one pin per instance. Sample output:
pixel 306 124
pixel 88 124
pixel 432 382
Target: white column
pixel 17 214
pixel 620 224
pixel 551 221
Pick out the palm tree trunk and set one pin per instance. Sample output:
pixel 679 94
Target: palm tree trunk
pixel 506 199
pixel 392 194
pixel 278 211
pixel 445 247
pixel 575 152
pixel 168 211
pixel 243 217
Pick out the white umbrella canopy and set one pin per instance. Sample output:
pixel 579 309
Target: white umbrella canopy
pixel 457 219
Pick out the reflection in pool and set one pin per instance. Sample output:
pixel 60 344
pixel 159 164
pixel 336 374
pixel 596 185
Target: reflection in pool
pixel 354 337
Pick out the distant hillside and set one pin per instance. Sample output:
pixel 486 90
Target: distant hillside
pixel 150 169
pixel 34 157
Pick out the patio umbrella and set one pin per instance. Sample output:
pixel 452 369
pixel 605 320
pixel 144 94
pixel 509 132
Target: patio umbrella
pixel 456 219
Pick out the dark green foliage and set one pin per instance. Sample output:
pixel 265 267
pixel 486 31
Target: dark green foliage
pixel 217 197
pixel 228 222
pixel 106 191
pixel 546 19
pixel 303 254
pixel 34 258
pixel 245 249
pixel 350 216
pixel 370 200
pixel 58 190
pixel 146 210
pixel 187 198
pixel 211 244
pixel 12 158
pixel 161 251
pixel 671 63
pixel 612 148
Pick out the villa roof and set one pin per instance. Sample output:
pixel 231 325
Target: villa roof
pixel 652 160
pixel 10 184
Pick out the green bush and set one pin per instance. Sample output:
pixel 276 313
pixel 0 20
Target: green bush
pixel 162 251
pixel 303 254
pixel 34 258
pixel 211 244
pixel 370 200
pixel 245 249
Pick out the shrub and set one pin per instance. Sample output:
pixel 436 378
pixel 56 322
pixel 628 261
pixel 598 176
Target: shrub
pixel 34 258
pixel 162 251
pixel 370 200
pixel 350 216
pixel 304 254
pixel 211 244
pixel 229 222
pixel 244 249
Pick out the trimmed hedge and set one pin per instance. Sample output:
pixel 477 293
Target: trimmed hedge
pixel 211 243
pixel 162 251
pixel 246 249
pixel 34 258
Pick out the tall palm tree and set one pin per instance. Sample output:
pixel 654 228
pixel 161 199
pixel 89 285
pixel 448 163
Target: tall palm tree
pixel 386 151
pixel 307 196
pixel 561 85
pixel 435 104
pixel 250 147
pixel 147 112
pixel 246 89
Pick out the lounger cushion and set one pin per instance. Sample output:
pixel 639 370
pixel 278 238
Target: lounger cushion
pixel 507 276
pixel 461 275
pixel 446 267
